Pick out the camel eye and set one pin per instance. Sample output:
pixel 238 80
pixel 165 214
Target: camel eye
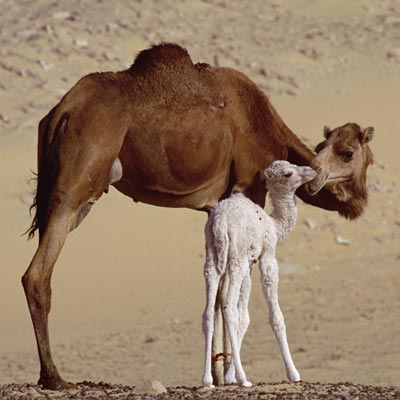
pixel 348 155
pixel 288 174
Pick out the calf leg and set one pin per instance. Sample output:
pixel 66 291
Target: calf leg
pixel 212 279
pixel 232 320
pixel 244 321
pixel 269 280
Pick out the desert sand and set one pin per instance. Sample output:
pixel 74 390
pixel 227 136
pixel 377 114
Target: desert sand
pixel 128 289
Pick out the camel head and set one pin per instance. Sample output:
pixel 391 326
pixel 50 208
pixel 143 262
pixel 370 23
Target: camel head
pixel 341 164
pixel 287 177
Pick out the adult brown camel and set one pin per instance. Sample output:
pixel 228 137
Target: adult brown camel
pixel 174 134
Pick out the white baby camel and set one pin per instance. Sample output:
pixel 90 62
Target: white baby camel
pixel 238 233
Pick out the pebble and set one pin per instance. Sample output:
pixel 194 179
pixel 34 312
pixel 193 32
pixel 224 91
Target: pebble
pixel 81 42
pixel 341 240
pixel 381 165
pixel 5 119
pixel 62 15
pixel 149 387
pixel 26 33
pixel 394 53
pixel 45 65
pixel 310 224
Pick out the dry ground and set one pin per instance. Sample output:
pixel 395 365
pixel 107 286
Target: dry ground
pixel 128 287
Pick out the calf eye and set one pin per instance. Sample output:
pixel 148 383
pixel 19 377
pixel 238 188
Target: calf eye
pixel 348 155
pixel 287 175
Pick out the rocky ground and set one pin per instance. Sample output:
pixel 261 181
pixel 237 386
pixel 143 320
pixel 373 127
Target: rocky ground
pixel 128 289
pixel 154 390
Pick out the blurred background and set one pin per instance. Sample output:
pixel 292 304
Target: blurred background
pixel 128 289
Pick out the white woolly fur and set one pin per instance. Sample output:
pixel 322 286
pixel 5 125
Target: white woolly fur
pixel 239 233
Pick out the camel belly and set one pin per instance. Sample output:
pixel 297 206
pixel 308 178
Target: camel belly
pixel 201 198
pixel 176 167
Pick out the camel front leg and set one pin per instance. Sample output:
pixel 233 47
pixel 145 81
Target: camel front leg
pixel 269 280
pixel 36 283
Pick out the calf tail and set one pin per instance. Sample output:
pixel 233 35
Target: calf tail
pixel 221 243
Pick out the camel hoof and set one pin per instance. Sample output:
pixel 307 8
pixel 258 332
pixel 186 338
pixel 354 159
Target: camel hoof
pixel 56 384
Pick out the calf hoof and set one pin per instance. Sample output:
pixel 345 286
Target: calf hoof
pixel 208 386
pixel 294 376
pixel 229 379
pixel 208 382
pixel 246 384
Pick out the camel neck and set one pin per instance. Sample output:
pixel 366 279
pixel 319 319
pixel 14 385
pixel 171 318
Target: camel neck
pixel 284 212
pixel 298 152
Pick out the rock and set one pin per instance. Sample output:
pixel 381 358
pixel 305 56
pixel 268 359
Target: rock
pixel 5 119
pixel 45 65
pixel 342 396
pixel 263 72
pixel 394 53
pixel 150 339
pixel 81 42
pixel 26 33
pixel 205 389
pixel 309 223
pixel 62 15
pixel 148 387
pixel 376 187
pixel 342 240
pixel 381 164
pixel 392 20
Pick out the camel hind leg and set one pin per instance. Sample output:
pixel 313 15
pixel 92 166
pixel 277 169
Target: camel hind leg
pixel 36 282
pixel 81 179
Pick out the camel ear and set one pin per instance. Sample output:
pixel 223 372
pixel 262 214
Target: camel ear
pixel 366 135
pixel 326 132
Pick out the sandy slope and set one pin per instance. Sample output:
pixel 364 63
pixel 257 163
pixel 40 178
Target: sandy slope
pixel 128 288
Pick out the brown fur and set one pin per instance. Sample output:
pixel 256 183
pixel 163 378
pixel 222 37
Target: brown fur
pixel 186 136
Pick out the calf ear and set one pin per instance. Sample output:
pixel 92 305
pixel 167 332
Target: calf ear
pixel 366 135
pixel 327 132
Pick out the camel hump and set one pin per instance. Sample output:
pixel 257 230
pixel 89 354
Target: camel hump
pixel 161 55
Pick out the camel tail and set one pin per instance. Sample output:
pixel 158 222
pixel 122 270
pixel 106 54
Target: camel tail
pixel 48 144
pixel 221 243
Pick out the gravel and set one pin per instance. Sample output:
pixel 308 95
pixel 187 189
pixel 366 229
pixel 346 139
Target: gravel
pixel 270 391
